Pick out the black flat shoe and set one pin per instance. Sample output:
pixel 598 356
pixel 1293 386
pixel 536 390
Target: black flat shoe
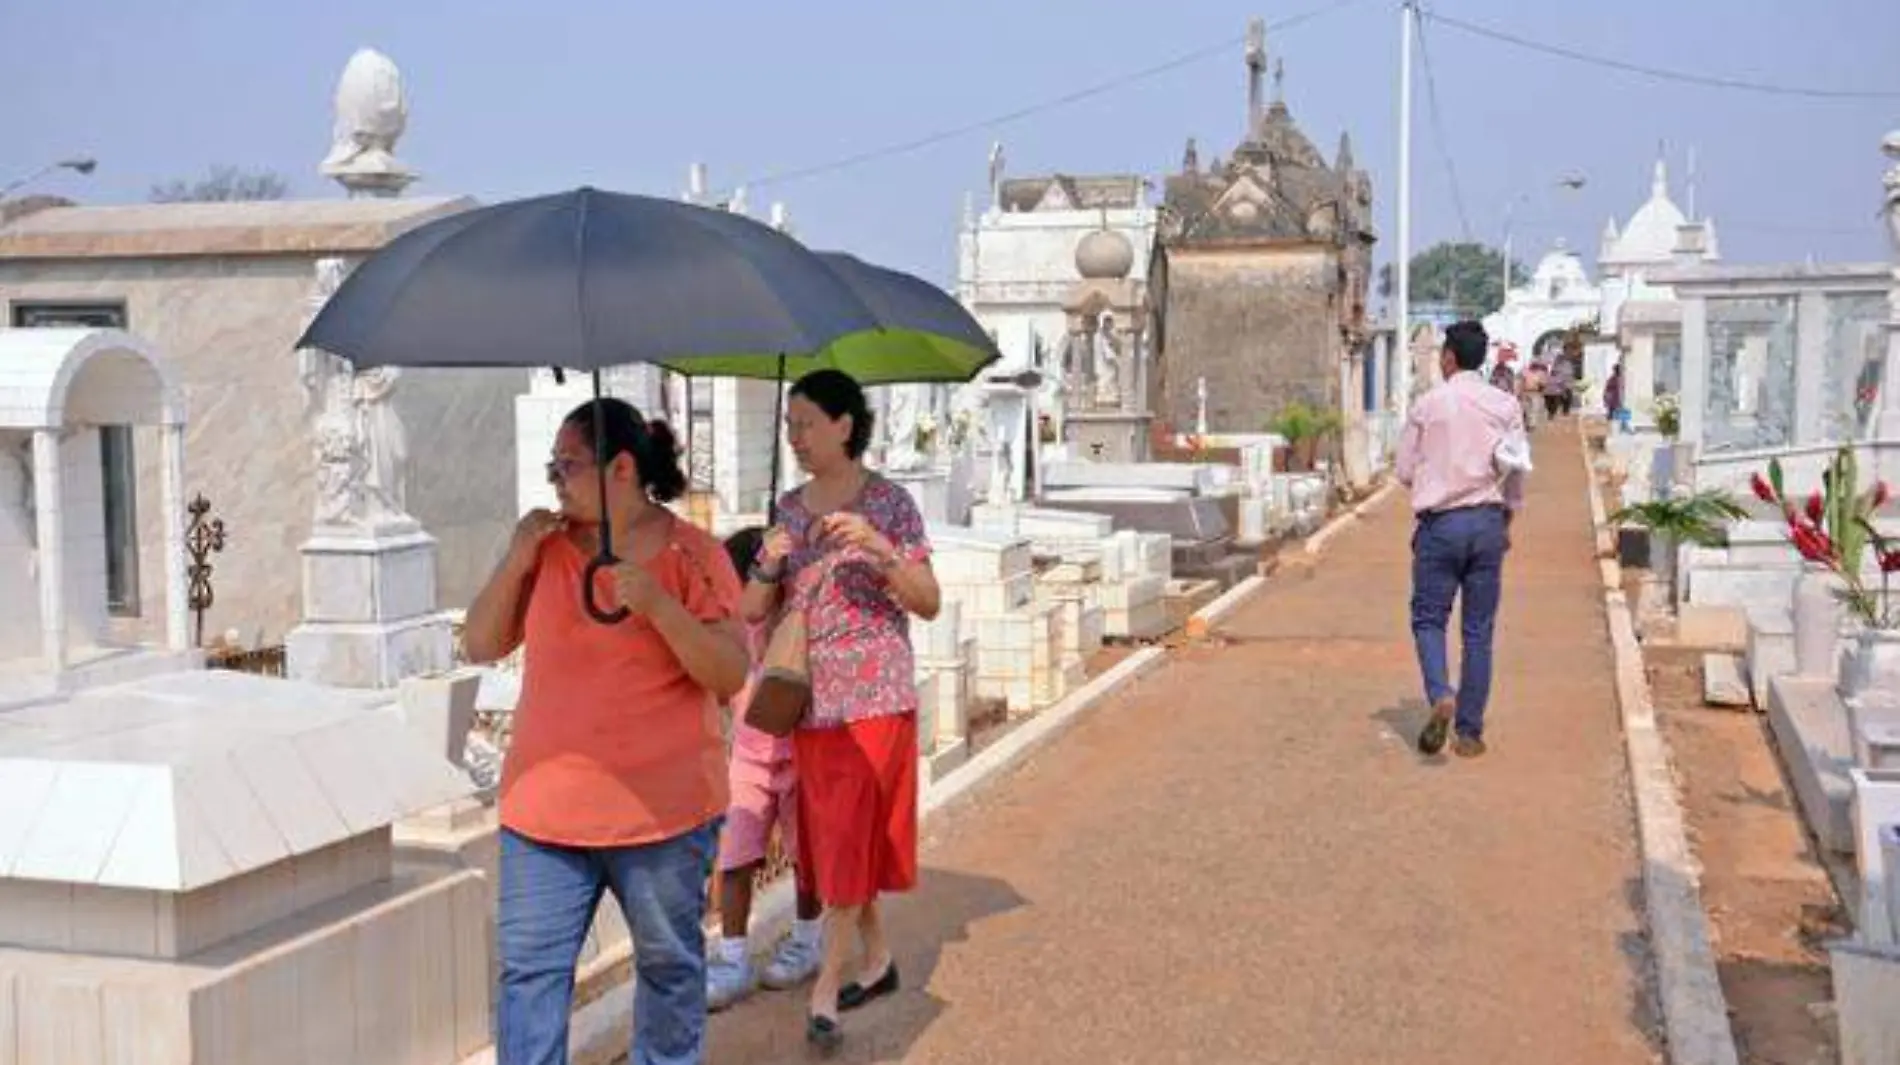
pixel 823 1033
pixel 854 994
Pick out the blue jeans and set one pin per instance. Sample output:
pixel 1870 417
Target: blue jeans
pixel 1458 552
pixel 548 897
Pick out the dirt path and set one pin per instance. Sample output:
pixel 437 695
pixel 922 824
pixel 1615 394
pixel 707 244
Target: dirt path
pixel 1245 861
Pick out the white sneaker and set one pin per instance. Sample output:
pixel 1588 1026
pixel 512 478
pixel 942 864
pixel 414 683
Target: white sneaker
pixel 793 963
pixel 727 981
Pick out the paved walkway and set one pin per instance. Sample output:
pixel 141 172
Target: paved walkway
pixel 1244 860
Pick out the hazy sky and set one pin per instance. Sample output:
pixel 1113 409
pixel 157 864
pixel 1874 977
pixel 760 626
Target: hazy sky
pixel 511 99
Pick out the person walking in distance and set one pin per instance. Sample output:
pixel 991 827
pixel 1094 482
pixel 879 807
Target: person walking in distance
pixel 1464 454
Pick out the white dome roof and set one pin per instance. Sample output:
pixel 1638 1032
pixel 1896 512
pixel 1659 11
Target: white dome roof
pixel 1650 235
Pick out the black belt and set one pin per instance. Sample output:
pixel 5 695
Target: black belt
pixel 1428 515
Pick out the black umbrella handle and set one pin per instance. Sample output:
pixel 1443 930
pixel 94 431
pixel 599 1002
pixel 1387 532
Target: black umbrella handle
pixel 606 558
pixel 588 587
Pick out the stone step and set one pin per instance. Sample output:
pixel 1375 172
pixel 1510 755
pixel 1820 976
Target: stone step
pixel 1723 683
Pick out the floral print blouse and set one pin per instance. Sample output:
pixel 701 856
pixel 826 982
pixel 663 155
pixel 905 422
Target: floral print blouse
pixel 858 640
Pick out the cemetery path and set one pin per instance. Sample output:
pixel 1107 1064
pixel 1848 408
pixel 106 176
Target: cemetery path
pixel 1244 860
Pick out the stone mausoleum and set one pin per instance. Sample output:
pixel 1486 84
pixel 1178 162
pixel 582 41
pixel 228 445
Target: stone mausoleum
pixel 1260 274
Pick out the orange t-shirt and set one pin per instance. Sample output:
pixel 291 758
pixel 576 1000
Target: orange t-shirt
pixel 614 743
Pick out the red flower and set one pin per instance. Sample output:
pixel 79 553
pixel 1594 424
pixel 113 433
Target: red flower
pixel 1813 544
pixel 1815 505
pixel 1881 494
pixel 1890 561
pixel 1763 490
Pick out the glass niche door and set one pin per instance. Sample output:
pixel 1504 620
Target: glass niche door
pixel 1749 387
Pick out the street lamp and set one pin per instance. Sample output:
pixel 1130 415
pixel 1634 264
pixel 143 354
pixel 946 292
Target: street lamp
pixel 80 165
pixel 1569 183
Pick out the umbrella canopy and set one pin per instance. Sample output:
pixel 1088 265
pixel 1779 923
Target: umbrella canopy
pixel 923 336
pixel 585 280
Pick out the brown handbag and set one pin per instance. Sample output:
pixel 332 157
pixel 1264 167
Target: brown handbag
pixel 783 695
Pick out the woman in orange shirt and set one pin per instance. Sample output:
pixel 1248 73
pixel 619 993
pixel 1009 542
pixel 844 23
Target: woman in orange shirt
pixel 616 776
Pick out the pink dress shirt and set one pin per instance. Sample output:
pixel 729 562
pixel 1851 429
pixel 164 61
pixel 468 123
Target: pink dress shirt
pixel 1448 454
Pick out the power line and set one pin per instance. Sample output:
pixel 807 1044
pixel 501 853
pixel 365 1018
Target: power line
pixel 1705 80
pixel 781 177
pixel 1438 135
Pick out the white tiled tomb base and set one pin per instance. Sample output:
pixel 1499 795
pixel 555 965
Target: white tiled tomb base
pixel 394 973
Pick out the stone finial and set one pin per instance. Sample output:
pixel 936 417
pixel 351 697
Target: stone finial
pixel 371 115
pixel 1104 255
pixel 781 217
pixel 1191 158
pixel 1343 161
pixel 696 183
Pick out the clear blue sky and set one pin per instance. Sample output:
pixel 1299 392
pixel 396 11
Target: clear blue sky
pixel 511 99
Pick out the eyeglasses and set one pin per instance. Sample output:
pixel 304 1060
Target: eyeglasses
pixel 560 469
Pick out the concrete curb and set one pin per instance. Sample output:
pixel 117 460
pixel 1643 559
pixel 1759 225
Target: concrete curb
pixel 1203 620
pixel 1317 542
pixel 1695 1013
pixel 598 1030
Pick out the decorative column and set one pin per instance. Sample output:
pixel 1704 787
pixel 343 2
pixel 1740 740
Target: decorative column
pixel 50 528
pixel 172 502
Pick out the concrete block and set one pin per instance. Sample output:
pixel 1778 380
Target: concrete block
pixel 1810 729
pixel 1866 986
pixel 1716 628
pixel 441 709
pixel 1723 683
pixel 1876 810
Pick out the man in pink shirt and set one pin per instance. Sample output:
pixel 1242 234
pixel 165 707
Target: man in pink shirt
pixel 1464 454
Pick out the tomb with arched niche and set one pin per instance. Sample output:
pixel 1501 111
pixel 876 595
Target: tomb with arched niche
pixel 68 399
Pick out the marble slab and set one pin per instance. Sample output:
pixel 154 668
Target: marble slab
pixel 177 782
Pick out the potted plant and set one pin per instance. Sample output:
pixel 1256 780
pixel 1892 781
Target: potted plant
pixel 1303 427
pixel 1667 410
pixel 1701 519
pixel 1833 530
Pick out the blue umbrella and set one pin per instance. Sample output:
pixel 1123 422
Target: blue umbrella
pixel 586 280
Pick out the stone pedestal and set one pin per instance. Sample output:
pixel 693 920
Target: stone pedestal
pixel 370 617
pixel 1110 436
pixel 929 488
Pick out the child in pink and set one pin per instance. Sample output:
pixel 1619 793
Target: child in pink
pixel 764 788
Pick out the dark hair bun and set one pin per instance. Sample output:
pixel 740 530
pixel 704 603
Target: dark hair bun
pixel 655 450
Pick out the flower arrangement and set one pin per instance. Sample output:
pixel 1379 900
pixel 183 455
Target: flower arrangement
pixel 1196 447
pixel 923 437
pixel 1834 527
pixel 1667 410
pixel 962 427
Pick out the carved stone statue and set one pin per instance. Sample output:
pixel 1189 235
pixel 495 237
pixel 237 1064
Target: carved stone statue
pixel 1107 365
pixel 370 117
pixel 19 555
pixel 1891 146
pixel 904 418
pixel 357 438
pixel 385 448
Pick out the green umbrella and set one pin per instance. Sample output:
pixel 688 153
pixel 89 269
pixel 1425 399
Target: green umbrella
pixel 923 336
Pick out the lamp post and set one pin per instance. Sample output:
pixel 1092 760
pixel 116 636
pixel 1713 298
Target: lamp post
pixel 82 165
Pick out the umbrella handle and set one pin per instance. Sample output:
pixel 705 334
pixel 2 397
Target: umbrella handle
pixel 605 617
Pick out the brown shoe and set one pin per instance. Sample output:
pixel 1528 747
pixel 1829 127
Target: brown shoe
pixel 1467 747
pixel 1431 739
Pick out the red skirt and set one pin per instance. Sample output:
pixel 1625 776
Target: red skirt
pixel 857 809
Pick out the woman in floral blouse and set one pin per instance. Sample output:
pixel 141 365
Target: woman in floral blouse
pixel 850 550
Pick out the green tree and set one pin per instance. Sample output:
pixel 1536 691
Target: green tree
pixel 1466 276
pixel 224 183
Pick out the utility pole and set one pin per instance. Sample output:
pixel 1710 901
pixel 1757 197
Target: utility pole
pixel 1407 13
